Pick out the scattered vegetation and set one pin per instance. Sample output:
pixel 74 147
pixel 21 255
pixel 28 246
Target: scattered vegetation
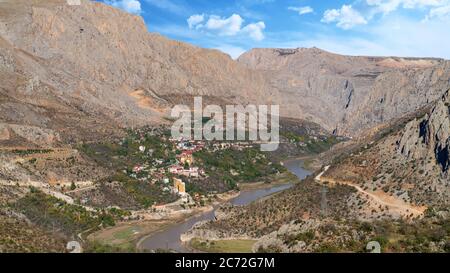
pixel 142 192
pixel 310 144
pixel 233 165
pixel 99 247
pixel 58 216
pixel 31 151
pixel 223 246
pixel 19 236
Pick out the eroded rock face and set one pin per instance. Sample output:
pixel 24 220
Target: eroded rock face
pixel 430 135
pixel 88 70
pixel 349 94
pixel 100 66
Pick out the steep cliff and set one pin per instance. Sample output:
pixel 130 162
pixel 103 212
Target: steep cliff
pixel 430 135
pixel 409 162
pixel 98 67
pixel 349 94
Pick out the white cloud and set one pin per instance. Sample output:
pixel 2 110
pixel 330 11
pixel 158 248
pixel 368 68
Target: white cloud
pixel 388 6
pixel 384 6
pixel 346 17
pixel 255 31
pixel 131 6
pixel 392 36
pixel 195 20
pixel 302 10
pixel 408 37
pixel 233 51
pixel 225 26
pixel 411 4
pixel 230 26
pixel 440 12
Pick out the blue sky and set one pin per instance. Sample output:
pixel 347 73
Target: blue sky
pixel 419 28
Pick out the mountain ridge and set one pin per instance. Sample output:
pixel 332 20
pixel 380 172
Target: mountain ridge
pixel 357 92
pixel 94 66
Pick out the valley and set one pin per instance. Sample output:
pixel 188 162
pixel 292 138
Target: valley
pixel 87 155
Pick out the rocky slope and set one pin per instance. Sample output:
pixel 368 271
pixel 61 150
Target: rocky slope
pixel 411 163
pixel 83 73
pixel 406 167
pixel 73 73
pixel 348 94
pixel 96 68
pixel 429 137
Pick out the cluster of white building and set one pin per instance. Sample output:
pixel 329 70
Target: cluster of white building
pixel 228 145
pixel 194 172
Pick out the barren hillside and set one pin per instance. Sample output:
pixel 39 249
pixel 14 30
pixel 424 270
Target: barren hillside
pixel 75 72
pixel 349 94
pixel 69 68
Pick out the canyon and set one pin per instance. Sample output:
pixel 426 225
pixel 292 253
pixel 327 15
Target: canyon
pixel 76 81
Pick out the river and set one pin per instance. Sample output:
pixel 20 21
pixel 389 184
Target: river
pixel 170 237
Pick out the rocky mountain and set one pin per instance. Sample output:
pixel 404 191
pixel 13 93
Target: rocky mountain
pixel 73 70
pixel 430 135
pixel 410 162
pixel 73 73
pixel 349 94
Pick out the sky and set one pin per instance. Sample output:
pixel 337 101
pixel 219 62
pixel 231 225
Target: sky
pixel 414 28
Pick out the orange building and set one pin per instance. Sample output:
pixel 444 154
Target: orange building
pixel 179 185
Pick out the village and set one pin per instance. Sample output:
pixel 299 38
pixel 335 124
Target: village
pixel 148 170
pixel 173 166
pixel 174 174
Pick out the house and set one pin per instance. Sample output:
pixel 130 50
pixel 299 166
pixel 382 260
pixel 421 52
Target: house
pixel 191 172
pixel 186 158
pixel 175 169
pixel 137 169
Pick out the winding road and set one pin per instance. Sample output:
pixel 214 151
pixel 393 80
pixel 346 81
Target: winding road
pixel 380 198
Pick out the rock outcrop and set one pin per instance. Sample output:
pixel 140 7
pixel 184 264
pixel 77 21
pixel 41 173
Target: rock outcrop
pixel 430 135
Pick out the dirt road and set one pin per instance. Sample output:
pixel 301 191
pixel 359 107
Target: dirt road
pixel 379 197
